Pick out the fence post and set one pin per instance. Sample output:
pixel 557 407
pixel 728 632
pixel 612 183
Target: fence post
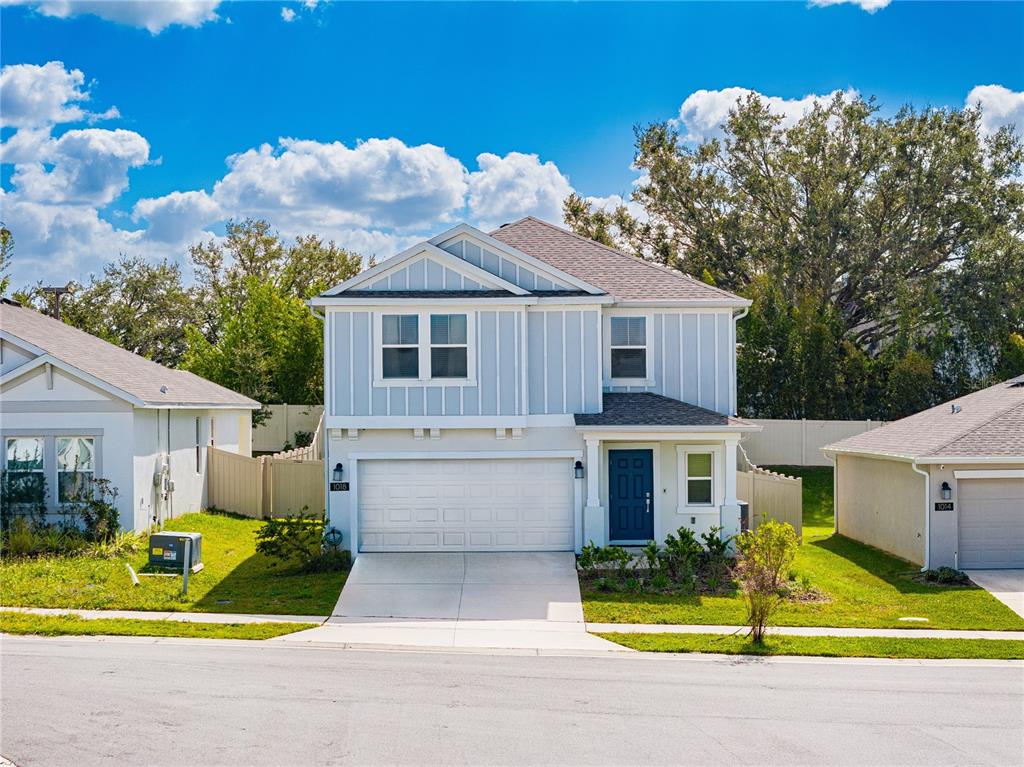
pixel 803 441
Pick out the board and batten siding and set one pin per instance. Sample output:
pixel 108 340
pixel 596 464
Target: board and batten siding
pixel 497 389
pixel 502 266
pixel 563 361
pixel 690 357
pixel 424 274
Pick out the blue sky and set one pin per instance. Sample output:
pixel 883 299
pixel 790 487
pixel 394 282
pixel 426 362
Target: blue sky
pixel 479 112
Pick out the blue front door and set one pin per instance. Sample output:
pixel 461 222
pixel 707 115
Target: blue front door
pixel 630 495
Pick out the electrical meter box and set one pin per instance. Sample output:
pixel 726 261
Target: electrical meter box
pixel 167 549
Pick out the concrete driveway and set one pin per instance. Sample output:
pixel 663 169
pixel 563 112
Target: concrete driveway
pixel 1005 585
pixel 501 600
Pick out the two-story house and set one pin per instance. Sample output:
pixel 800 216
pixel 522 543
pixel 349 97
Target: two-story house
pixel 527 390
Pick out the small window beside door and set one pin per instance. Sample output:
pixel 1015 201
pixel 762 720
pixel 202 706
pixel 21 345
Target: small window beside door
pixel 699 479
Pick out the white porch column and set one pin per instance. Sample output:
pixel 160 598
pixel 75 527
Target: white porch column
pixel 730 510
pixel 595 527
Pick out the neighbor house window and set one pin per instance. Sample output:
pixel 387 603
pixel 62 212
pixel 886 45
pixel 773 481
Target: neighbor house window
pixel 629 347
pixel 448 346
pixel 400 339
pixel 699 467
pixel 25 479
pixel 76 466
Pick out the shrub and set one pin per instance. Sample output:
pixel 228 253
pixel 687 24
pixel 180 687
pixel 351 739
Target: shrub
pixel 589 558
pixel 22 494
pixel 122 543
pixel 303 438
pixel 681 555
pixel 765 557
pixel 619 558
pixel 715 545
pixel 297 542
pixel 21 538
pixel 947 576
pixel 660 582
pixel 652 553
pixel 94 503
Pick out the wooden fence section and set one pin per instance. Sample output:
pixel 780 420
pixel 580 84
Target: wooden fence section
pixel 771 496
pixel 261 488
pixel 235 483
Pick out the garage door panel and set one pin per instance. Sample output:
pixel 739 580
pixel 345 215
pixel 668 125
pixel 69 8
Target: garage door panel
pixel 484 505
pixel 991 523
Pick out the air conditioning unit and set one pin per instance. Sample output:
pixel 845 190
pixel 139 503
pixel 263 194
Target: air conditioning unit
pixel 167 549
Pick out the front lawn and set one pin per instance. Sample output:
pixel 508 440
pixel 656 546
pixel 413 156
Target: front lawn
pixel 864 587
pixel 235 579
pixel 838 647
pixel 72 625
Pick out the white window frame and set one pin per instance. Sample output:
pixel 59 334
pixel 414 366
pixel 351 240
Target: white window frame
pixel 647 379
pixel 431 345
pixel 57 470
pixel 423 336
pixel 717 479
pixel 380 346
pixel 42 471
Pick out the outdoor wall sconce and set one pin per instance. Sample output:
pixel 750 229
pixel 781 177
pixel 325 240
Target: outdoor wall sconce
pixel 578 469
pixel 339 472
pixel 947 491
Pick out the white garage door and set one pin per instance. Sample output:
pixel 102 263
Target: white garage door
pixel 506 504
pixel 991 522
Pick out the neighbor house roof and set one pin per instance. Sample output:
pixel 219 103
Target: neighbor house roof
pixel 137 377
pixel 986 423
pixel 649 409
pixel 623 276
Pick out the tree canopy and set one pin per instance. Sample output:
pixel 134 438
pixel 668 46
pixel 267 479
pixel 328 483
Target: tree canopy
pixel 884 256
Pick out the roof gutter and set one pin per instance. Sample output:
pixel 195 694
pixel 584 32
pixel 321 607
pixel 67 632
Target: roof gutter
pixel 927 515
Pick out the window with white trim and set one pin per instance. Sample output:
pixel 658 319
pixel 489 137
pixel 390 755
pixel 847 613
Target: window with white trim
pixel 76 467
pixel 400 346
pixel 25 471
pixel 628 347
pixel 700 479
pixel 449 349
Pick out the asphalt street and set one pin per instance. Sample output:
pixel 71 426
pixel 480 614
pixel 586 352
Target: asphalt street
pixel 178 702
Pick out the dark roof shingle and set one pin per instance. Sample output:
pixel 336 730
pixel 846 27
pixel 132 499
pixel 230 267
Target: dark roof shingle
pixel 649 409
pixel 625 277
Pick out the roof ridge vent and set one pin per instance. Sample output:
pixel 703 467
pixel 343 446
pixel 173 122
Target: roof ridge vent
pixel 955 409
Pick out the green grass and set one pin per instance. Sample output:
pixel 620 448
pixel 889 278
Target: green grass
pixel 235 579
pixel 866 587
pixel 72 625
pixel 838 647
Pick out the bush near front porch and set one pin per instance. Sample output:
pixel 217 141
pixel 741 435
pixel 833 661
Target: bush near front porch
pixel 864 587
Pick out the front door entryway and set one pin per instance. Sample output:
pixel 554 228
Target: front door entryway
pixel 630 495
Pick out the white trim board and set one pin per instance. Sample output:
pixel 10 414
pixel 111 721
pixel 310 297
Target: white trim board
pixel 989 474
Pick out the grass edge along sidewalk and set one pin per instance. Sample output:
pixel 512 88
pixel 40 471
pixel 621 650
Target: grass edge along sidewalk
pixel 823 646
pixel 12 622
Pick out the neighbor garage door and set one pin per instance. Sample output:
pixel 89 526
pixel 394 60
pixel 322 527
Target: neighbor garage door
pixel 991 522
pixel 466 505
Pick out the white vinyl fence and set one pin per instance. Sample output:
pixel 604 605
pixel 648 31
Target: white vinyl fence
pixel 799 442
pixel 771 496
pixel 279 429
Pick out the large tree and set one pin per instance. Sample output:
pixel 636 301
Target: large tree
pixel 868 244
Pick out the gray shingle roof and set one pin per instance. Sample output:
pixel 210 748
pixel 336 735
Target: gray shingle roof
pixel 990 422
pixel 649 409
pixel 117 367
pixel 625 277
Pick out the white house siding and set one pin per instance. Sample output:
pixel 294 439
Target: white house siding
pixel 562 360
pixel 12 356
pixel 690 357
pixel 497 389
pixel 73 408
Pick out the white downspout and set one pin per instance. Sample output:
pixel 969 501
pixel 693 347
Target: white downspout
pixel 927 515
pixel 735 394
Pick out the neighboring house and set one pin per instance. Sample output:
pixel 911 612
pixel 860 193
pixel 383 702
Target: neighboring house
pixel 943 487
pixel 73 403
pixel 527 389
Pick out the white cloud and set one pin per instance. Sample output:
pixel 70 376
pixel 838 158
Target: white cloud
pixel 703 112
pixel 153 15
pixel 178 216
pixel 507 188
pixel 287 14
pixel 379 182
pixel 35 96
pixel 866 5
pixel 611 202
pixel 999 106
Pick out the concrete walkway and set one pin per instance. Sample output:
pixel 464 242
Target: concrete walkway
pixel 1005 585
pixel 146 615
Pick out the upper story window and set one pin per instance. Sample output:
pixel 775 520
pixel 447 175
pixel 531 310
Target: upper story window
pixel 449 350
pixel 400 353
pixel 628 347
pixel 75 467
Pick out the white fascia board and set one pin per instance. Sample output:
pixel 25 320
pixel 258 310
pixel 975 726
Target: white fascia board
pixel 195 406
pixel 871 454
pixel 49 359
pixel 21 343
pixel 989 474
pixel 464 454
pixel 465 230
pixel 932 459
pixel 720 303
pixel 428 250
pixel 573 301
pixel 426 422
pixel 369 302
